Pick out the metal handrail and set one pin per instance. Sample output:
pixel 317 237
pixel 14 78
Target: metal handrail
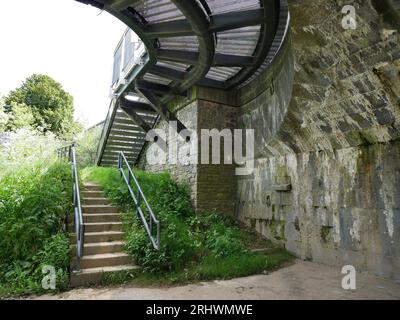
pixel 112 110
pixel 79 226
pixel 149 222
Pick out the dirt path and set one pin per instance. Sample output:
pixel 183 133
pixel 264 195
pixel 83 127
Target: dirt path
pixel 303 280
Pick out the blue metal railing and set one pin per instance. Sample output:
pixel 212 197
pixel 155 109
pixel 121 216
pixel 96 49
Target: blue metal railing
pixel 79 227
pixel 149 220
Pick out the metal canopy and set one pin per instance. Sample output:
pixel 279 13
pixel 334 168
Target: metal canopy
pixel 218 43
pixel 222 44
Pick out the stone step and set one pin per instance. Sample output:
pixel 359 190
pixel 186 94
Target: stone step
pixel 101 217
pixel 94 201
pixel 100 247
pixel 91 187
pixel 103 226
pixel 100 208
pixel 94 275
pixel 99 226
pixel 92 194
pixel 107 236
pixel 105 260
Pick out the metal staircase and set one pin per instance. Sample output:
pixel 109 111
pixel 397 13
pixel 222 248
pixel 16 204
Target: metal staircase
pixel 122 133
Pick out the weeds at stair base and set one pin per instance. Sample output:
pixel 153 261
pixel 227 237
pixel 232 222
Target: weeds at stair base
pixel 193 247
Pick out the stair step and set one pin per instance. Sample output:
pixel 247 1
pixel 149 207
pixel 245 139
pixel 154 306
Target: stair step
pixel 99 226
pixel 99 208
pixel 91 187
pixel 94 275
pixel 101 217
pixel 102 226
pixel 95 201
pixel 105 260
pixel 107 236
pixel 92 194
pixel 100 247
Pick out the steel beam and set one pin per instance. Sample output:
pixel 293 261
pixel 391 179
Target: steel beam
pixel 167 73
pixel 161 108
pixel 219 22
pixel 191 57
pixel 158 88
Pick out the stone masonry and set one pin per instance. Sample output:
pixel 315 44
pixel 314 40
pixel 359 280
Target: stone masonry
pixel 326 116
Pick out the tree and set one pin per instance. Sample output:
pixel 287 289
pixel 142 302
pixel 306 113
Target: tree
pixel 87 146
pixel 43 104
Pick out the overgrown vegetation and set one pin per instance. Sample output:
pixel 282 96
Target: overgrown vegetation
pixel 193 247
pixel 34 200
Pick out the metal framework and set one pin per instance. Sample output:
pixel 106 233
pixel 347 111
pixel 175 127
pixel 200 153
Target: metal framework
pixel 168 26
pixel 222 44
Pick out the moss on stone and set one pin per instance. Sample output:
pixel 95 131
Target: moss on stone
pixel 325 231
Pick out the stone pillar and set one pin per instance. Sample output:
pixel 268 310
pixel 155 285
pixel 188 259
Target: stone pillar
pixel 213 186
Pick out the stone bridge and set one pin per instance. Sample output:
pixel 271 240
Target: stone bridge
pixel 323 100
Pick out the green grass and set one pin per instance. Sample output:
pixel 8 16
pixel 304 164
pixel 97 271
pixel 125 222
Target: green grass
pixel 193 247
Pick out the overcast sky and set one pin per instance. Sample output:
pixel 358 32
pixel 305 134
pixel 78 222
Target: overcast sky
pixel 69 41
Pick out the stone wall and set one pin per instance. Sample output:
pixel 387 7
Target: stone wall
pixel 326 117
pixel 326 184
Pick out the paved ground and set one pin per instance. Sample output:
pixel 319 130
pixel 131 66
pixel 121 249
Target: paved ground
pixel 303 280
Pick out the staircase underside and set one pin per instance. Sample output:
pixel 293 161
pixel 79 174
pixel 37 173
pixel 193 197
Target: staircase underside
pixel 125 135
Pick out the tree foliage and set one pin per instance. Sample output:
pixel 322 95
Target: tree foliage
pixel 87 147
pixel 43 104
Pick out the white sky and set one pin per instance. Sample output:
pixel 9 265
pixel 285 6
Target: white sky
pixel 67 40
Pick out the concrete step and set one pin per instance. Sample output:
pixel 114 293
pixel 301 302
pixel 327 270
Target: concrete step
pixel 101 208
pixel 99 226
pixel 107 236
pixel 103 226
pixel 101 217
pixel 94 201
pixel 91 187
pixel 100 247
pixel 105 260
pixel 94 275
pixel 92 194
